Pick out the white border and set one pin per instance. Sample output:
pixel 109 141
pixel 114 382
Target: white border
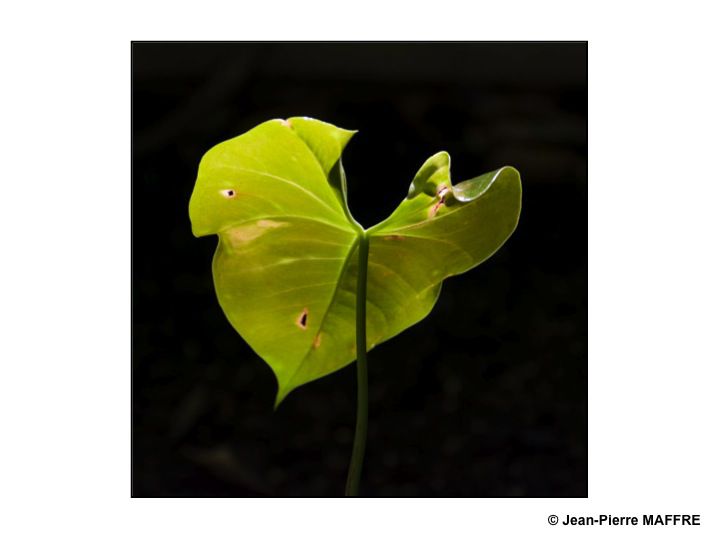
pixel 65 289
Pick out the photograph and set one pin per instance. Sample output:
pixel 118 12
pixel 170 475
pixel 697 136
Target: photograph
pixel 360 271
pixel 359 268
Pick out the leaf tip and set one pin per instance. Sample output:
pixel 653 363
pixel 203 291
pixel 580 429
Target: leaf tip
pixel 436 169
pixel 282 393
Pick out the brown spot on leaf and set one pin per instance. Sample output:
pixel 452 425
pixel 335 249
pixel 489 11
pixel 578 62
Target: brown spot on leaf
pixel 247 233
pixel 228 193
pixel 442 193
pixel 317 340
pixel 302 319
pixel 394 237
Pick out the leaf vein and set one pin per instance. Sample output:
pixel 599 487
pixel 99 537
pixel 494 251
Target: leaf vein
pixel 295 185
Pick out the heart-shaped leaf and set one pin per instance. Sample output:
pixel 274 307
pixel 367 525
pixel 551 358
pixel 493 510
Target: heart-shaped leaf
pixel 286 265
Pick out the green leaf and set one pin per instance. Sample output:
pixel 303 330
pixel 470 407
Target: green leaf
pixel 285 268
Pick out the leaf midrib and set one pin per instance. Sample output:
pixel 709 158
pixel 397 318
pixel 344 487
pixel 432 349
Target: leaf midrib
pixel 339 282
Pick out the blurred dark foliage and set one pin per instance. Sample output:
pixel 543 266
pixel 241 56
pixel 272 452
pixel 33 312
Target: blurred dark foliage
pixel 485 397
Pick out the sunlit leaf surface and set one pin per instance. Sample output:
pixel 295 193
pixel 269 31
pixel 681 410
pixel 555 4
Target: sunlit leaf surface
pixel 285 269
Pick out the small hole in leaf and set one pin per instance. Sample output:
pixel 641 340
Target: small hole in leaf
pixel 228 193
pixel 302 319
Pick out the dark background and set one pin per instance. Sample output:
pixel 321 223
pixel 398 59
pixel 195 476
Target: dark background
pixel 485 397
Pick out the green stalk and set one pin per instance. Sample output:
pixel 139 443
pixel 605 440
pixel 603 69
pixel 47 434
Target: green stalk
pixel 352 487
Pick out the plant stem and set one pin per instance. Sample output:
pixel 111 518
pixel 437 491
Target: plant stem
pixel 352 486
